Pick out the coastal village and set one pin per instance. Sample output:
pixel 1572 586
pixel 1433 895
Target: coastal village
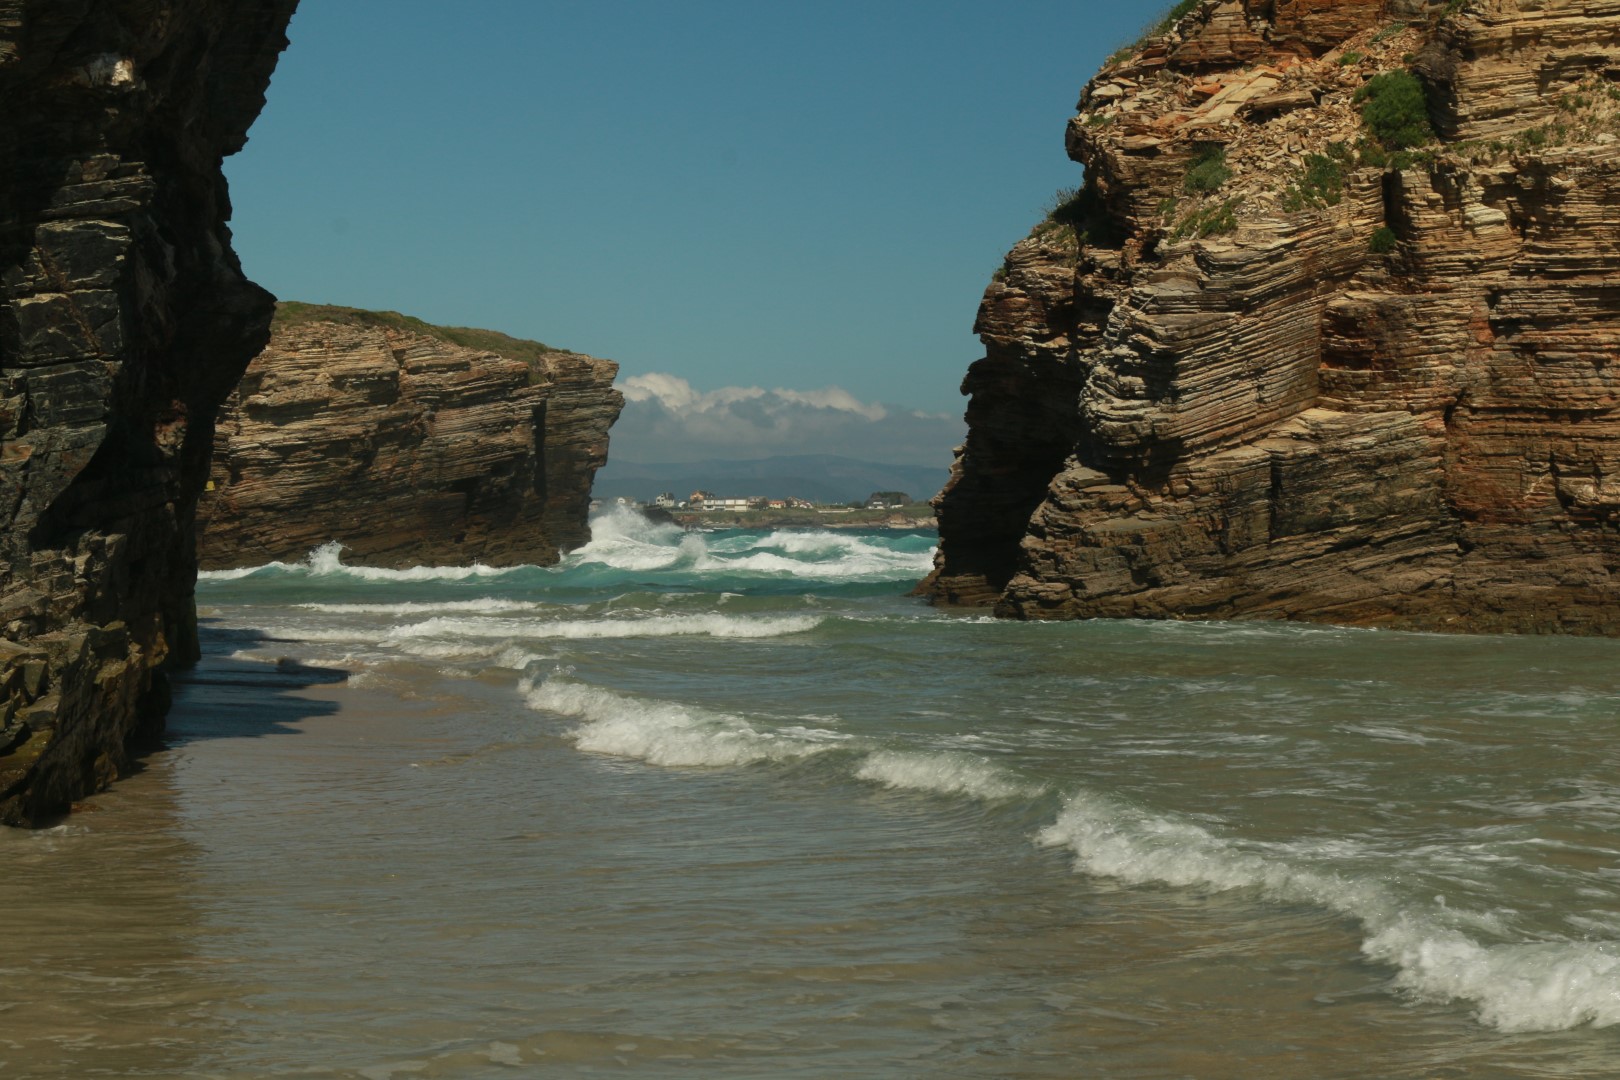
pixel 708 500
pixel 884 509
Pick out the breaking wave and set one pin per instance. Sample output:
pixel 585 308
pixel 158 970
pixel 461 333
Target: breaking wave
pixel 627 549
pixel 667 733
pixel 326 561
pixel 652 626
pixel 1437 951
pixel 623 540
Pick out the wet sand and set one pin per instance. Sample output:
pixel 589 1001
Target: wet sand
pixel 109 970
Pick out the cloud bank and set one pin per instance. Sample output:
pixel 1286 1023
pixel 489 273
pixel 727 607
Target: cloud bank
pixel 666 419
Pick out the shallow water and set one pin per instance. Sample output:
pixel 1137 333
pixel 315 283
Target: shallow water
pixel 732 805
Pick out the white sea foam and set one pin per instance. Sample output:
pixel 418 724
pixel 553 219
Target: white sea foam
pixel 488 605
pixel 327 561
pixel 466 631
pixel 667 733
pixel 625 540
pixel 1530 986
pixel 944 774
pixel 499 654
pixel 709 625
pixel 1389 733
pixel 1539 986
pixel 868 563
pixel 239 572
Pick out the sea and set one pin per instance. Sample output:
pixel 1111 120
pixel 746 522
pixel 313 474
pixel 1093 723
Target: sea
pixel 736 804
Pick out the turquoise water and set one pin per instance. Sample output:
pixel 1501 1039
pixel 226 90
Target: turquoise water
pixel 732 804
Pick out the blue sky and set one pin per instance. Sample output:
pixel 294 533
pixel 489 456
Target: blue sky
pixel 767 195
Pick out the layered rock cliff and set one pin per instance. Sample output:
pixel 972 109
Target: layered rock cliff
pixel 1282 358
pixel 385 434
pixel 124 321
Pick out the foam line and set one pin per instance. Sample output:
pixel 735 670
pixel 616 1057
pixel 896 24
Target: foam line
pixel 1517 986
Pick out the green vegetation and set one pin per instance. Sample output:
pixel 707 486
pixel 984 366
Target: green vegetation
pixel 1158 28
pixel 1078 214
pixel 1383 241
pixel 1064 215
pixel 1209 221
pixel 1178 12
pixel 1349 58
pixel 1402 160
pixel 1322 183
pixel 1388 32
pixel 1208 170
pixel 1066 206
pixel 1395 110
pixel 291 313
pixel 1586 113
pixel 1370 153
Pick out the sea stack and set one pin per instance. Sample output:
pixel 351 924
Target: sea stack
pixel 124 321
pixel 409 444
pixel 1331 332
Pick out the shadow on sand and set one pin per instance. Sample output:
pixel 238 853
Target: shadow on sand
pixel 224 697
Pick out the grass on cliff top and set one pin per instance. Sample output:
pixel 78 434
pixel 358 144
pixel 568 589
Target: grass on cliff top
pixel 1155 29
pixel 291 313
pixel 1079 215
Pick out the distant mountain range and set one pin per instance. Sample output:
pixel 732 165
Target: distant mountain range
pixel 817 477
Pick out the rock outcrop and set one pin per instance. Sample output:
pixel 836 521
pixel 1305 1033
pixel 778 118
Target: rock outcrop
pixel 1269 363
pixel 384 434
pixel 124 321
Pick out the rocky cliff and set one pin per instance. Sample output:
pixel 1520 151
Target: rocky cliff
pixel 410 444
pixel 1331 332
pixel 124 322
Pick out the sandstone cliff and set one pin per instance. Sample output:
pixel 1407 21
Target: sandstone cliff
pixel 383 433
pixel 124 322
pixel 1276 360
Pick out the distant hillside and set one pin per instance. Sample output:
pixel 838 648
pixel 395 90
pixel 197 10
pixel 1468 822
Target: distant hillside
pixel 818 477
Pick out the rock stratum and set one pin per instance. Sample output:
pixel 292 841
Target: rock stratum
pixel 407 443
pixel 1269 363
pixel 124 321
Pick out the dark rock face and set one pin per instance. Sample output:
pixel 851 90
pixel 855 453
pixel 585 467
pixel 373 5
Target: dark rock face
pixel 407 449
pixel 1385 396
pixel 124 322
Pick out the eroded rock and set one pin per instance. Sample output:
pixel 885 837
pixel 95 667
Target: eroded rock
pixel 406 448
pixel 124 321
pixel 1385 398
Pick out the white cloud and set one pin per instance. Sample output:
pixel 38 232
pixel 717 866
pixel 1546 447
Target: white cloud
pixel 833 397
pixel 677 395
pixel 668 419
